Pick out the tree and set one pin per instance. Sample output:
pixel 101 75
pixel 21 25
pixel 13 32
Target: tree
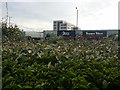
pixel 12 33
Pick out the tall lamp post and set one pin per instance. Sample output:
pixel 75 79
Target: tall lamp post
pixel 77 18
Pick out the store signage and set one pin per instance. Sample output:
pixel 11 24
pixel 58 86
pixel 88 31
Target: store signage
pixel 66 33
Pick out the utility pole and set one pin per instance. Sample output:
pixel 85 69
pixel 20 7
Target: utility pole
pixel 6 13
pixel 77 18
pixel 9 20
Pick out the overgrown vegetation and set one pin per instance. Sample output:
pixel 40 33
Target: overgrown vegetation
pixel 59 64
pixel 12 33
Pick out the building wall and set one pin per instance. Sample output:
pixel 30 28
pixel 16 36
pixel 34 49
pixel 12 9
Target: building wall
pixel 66 33
pixel 112 32
pixel 109 32
pixel 78 32
pixel 50 32
pixel 62 25
pixel 54 33
pixel 34 34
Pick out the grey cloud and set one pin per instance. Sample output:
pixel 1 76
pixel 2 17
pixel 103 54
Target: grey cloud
pixel 48 11
pixel 42 11
pixel 38 0
pixel 89 8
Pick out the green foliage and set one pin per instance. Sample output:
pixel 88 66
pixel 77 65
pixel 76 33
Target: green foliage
pixel 62 64
pixel 12 33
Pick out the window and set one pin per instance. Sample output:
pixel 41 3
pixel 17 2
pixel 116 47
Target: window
pixel 54 27
pixel 63 27
pixel 55 22
pixel 64 24
pixel 60 22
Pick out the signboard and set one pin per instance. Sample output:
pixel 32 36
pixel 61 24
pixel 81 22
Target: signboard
pixel 66 33
pixel 95 33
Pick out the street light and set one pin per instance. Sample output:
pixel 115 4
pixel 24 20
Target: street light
pixel 77 18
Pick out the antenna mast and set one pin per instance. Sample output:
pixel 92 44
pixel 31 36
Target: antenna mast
pixel 6 13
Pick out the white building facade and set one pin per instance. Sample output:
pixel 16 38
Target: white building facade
pixel 62 25
pixel 34 34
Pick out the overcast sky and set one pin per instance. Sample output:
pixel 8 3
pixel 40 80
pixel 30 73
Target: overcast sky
pixel 39 14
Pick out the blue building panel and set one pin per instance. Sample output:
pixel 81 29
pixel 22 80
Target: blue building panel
pixel 66 33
